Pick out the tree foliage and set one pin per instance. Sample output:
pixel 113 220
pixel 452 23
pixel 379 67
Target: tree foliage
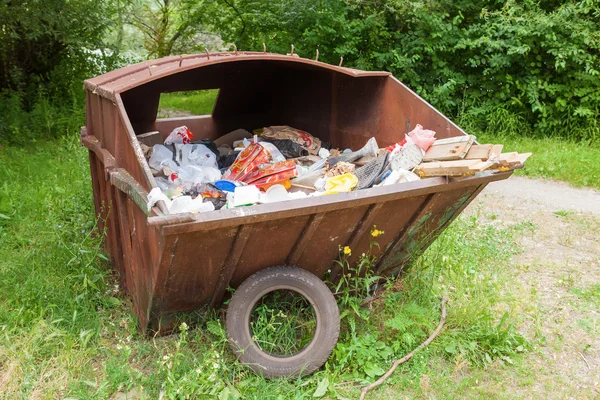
pixel 47 45
pixel 526 67
pixel 168 26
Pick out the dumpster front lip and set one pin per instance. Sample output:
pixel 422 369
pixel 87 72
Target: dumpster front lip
pixel 190 222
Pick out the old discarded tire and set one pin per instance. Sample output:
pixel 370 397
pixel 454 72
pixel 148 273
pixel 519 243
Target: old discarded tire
pixel 313 355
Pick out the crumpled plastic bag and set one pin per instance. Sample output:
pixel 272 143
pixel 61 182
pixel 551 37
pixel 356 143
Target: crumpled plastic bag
pixel 162 157
pixel 399 176
pixel 174 156
pixel 282 132
pixel 191 175
pixel 370 149
pixel 180 204
pixel 288 148
pixel 423 138
pixel 181 135
pixel 340 184
pixel 195 154
pixel 410 156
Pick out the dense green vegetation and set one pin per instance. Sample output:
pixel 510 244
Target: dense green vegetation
pixel 523 68
pixel 527 67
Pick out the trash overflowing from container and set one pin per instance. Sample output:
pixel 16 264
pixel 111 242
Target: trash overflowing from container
pixel 280 163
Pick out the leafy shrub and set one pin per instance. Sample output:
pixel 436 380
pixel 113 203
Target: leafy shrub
pixel 526 68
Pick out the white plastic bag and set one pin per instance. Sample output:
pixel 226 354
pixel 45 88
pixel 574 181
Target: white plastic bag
pixel 184 204
pixel 192 175
pixel 195 154
pixel 179 204
pixel 399 176
pixel 162 157
pixel 181 135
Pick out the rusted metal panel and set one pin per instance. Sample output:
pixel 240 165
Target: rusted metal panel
pixel 195 269
pixel 177 263
pixel 270 243
pixel 426 225
pixel 402 109
pixel 135 75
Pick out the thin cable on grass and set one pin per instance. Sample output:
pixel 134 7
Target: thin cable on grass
pixel 407 357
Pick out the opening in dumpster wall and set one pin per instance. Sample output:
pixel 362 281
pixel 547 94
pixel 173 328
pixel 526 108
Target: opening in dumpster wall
pixel 332 106
pixel 337 107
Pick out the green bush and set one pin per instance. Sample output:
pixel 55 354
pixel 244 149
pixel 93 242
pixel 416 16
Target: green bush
pixel 528 67
pixel 47 49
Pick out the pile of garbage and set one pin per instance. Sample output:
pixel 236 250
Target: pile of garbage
pixel 280 163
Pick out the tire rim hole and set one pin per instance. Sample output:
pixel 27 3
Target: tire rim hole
pixel 283 323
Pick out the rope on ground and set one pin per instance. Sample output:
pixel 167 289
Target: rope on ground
pixel 407 357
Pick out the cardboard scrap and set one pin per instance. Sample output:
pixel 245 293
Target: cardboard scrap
pixel 454 148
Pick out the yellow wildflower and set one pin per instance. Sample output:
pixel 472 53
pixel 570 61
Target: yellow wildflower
pixel 347 250
pixel 376 232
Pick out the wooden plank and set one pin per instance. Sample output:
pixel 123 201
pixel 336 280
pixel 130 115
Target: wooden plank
pixel 446 168
pixel 521 158
pixel 479 152
pixel 481 166
pixel 454 148
pixel 495 151
pixel 506 159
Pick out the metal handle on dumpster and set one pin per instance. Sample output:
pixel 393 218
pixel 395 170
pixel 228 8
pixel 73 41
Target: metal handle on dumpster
pixel 119 177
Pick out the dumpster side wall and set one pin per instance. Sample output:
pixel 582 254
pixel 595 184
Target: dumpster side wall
pixel 201 265
pixel 132 246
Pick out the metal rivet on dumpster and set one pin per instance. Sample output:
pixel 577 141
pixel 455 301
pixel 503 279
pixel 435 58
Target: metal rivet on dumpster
pixel 341 61
pixel 317 56
pixel 264 48
pixel 180 60
pixel 149 70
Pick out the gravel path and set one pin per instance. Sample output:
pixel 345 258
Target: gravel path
pixel 557 278
pixel 546 195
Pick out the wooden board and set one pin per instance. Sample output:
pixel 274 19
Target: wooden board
pixel 481 166
pixel 454 148
pixel 513 158
pixel 447 168
pixel 479 152
pixel 495 151
pixel 506 159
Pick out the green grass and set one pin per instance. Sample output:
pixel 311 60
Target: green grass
pixel 196 102
pixel 66 330
pixel 560 159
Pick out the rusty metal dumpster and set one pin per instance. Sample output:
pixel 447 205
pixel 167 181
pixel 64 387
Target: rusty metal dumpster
pixel 177 263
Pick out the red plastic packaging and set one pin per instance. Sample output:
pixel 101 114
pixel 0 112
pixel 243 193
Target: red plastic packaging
pixel 272 174
pixel 247 161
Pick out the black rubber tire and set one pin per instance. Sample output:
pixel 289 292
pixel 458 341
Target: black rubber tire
pixel 327 330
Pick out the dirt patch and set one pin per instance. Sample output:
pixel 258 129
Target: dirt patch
pixel 559 271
